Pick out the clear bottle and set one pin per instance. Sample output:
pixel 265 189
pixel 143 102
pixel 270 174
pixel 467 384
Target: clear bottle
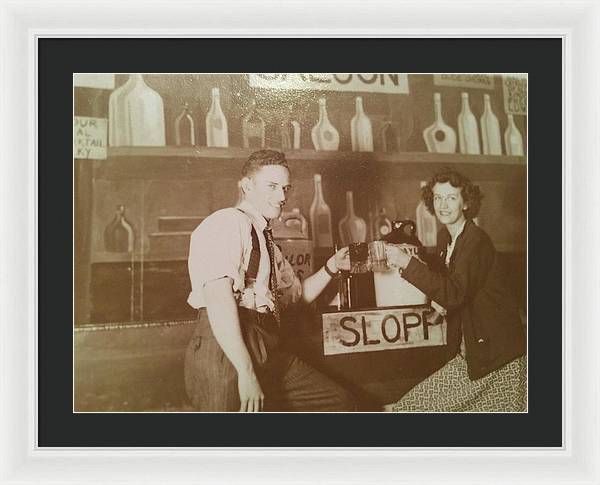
pixel 382 225
pixel 118 234
pixel 439 137
pixel 426 224
pixel 146 114
pixel 320 218
pixel 324 135
pixel 361 131
pixel 253 128
pixel 490 129
pixel 185 132
pixel 352 229
pixel 118 117
pixel 468 134
pixel 216 124
pixel 513 139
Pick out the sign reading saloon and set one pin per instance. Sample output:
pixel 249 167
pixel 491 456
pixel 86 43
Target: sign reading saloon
pixel 370 83
pixel 380 329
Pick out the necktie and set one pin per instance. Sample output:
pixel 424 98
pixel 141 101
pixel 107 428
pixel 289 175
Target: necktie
pixel 272 276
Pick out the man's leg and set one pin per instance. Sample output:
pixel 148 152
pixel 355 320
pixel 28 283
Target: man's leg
pixel 299 387
pixel 210 378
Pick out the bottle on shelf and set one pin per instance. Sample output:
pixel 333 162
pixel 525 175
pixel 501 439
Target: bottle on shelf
pixel 382 226
pixel 253 128
pixel 388 137
pixel 118 234
pixel 324 135
pixel 118 117
pixel 371 223
pixel 352 229
pixel 426 224
pixel 146 114
pixel 216 124
pixel 185 131
pixel 468 134
pixel 439 137
pixel 320 218
pixel 361 131
pixel 490 129
pixel 513 139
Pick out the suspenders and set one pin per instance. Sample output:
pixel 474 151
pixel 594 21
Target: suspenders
pixel 252 270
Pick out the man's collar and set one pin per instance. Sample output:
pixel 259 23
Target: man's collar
pixel 257 218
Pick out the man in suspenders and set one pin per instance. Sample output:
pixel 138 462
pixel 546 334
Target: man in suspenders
pixel 240 283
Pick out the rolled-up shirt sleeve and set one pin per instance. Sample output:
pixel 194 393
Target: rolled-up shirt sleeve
pixel 217 251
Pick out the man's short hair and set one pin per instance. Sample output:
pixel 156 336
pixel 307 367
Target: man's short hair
pixel 261 158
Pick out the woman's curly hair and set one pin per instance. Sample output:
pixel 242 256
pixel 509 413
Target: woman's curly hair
pixel 470 192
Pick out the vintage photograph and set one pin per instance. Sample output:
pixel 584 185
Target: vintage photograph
pixel 300 242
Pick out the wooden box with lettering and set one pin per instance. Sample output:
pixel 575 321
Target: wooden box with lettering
pixel 389 328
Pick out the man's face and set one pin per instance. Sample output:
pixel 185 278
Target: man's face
pixel 267 189
pixel 448 203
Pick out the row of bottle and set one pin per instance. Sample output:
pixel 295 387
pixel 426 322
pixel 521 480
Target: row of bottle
pixel 441 138
pixel 136 118
pixel 354 229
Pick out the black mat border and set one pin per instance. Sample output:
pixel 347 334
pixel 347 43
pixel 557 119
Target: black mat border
pixel 59 58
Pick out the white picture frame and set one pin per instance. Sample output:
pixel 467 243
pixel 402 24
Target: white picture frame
pixel 577 23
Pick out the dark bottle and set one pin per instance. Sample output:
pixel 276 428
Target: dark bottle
pixel 118 235
pixel 383 226
pixel 185 132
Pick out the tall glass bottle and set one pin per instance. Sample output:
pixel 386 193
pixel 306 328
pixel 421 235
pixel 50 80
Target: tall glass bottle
pixel 118 234
pixel 426 224
pixel 324 135
pixel 216 124
pixel 320 218
pixel 382 225
pixel 146 114
pixel 118 117
pixel 185 132
pixel 490 129
pixel 468 134
pixel 253 128
pixel 353 229
pixel 439 137
pixel 361 131
pixel 513 139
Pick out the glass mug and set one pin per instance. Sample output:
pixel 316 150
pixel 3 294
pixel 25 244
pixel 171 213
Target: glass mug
pixel 359 258
pixel 378 257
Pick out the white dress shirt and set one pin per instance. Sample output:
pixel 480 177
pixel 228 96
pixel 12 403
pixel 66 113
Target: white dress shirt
pixel 221 247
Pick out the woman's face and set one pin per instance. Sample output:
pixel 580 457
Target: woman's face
pixel 448 203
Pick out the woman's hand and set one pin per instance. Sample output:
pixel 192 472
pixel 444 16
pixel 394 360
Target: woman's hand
pixel 396 257
pixel 340 260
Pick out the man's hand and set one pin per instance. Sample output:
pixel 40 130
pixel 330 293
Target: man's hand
pixel 251 394
pixel 340 260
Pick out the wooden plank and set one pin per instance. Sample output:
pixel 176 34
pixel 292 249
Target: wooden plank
pixel 380 329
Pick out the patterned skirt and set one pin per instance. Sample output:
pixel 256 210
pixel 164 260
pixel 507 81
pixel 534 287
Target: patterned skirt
pixel 450 390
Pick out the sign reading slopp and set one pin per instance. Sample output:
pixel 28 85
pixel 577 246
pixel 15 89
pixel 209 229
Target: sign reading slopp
pixel 380 329
pixel 89 137
pixel 368 83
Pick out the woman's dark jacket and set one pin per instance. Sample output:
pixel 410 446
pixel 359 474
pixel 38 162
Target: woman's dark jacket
pixel 479 302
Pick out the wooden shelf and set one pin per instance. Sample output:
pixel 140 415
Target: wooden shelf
pixel 239 154
pixel 156 257
pixel 204 162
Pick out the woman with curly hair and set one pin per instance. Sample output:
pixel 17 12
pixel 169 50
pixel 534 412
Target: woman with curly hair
pixel 486 367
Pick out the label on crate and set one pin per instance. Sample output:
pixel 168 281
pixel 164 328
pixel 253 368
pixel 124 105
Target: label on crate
pixel 365 82
pixel 380 329
pixel 89 137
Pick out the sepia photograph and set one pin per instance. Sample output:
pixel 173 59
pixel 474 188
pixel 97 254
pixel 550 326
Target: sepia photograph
pixel 225 274
pixel 300 242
